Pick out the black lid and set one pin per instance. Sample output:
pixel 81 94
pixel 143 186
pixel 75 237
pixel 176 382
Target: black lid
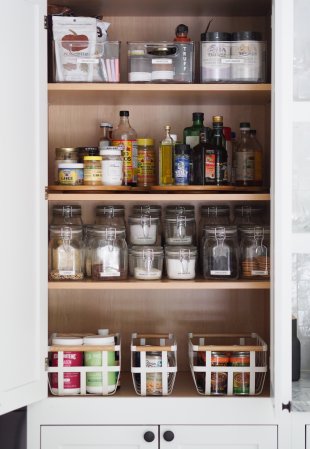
pixel 181 148
pixel 245 125
pixel 181 29
pixel 246 36
pixel 215 36
pixel 91 151
pixel 124 113
pixel 197 115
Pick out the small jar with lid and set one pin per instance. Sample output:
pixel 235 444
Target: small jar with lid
pixel 179 229
pixel 146 162
pixel 249 214
pixel 66 253
pixel 112 166
pixel 147 262
pixel 181 262
pixel 255 252
pixel 87 151
pixel 64 156
pixel 93 170
pixel 112 216
pixel 106 135
pixel 67 215
pixel 143 229
pixel 221 253
pixel 109 254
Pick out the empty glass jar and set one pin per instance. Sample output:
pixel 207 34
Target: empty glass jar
pixel 250 214
pixel 67 215
pixel 180 230
pixel 220 253
pixel 109 255
pixel 143 229
pixel 66 253
pixel 111 216
pixel 185 209
pixel 255 252
pixel 181 262
pixel 146 262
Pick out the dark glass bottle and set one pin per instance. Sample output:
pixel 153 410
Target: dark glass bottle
pixel 216 155
pixel 295 352
pixel 191 137
pixel 198 157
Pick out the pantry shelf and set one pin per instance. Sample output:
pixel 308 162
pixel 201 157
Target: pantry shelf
pixel 159 94
pixel 164 284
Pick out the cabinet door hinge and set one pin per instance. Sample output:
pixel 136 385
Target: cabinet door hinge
pixel 46 363
pixel 287 406
pixel 45 23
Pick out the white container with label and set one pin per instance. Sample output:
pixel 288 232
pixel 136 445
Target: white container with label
pixel 112 166
pixel 181 262
pixel 215 50
pixel 146 262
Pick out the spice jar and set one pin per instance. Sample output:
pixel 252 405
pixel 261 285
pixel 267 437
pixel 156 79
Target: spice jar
pixel 215 50
pixel 181 262
pixel 100 382
pixel 66 253
pixel 92 170
pixel 71 380
pixel 109 255
pixel 248 53
pixel 112 166
pixel 112 216
pixel 255 252
pixel 67 215
pixel 220 253
pixel 180 230
pixel 143 229
pixel 64 156
pixel 147 262
pixel 250 214
pixel 146 162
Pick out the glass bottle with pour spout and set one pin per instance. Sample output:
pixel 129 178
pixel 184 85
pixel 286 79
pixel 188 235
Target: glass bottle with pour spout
pixel 166 159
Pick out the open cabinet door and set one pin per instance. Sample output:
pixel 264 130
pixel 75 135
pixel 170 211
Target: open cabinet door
pixel 23 224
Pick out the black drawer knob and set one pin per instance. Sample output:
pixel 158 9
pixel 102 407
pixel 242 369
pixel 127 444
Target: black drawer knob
pixel 149 436
pixel 168 435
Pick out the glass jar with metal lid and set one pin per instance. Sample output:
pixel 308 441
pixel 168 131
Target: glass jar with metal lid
pixel 143 229
pixel 249 214
pixel 64 156
pixel 67 215
pixel 110 215
pixel 109 254
pixel 184 209
pixel 221 253
pixel 147 262
pixel 147 209
pixel 66 253
pixel 180 230
pixel 181 262
pixel 255 252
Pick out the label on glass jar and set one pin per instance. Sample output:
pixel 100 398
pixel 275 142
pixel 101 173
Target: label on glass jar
pixel 259 273
pixel 130 157
pixel 245 166
pixel 92 174
pixel 210 166
pixel 110 272
pixel 141 273
pixel 186 240
pixel 66 272
pixel 112 172
pixel 220 272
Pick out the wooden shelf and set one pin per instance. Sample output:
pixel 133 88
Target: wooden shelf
pixel 164 284
pixel 158 94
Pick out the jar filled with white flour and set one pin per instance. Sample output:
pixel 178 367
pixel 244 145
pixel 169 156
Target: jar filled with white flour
pixel 181 262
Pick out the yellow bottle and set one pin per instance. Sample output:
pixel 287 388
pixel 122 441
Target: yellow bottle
pixel 165 159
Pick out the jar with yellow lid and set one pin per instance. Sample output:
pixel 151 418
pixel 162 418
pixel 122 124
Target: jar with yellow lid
pixel 93 170
pixel 146 162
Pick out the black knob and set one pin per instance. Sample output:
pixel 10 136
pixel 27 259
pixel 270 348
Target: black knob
pixel 168 435
pixel 149 436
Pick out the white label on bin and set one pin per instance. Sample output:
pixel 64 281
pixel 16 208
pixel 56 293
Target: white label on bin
pixel 162 61
pixel 88 60
pixel 220 272
pixel 232 61
pixel 259 273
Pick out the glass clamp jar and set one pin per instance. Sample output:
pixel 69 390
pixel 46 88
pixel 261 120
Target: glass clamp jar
pixel 112 216
pixel 143 229
pixel 181 262
pixel 220 253
pixel 185 209
pixel 66 253
pixel 250 214
pixel 180 230
pixel 109 254
pixel 146 262
pixel 67 215
pixel 255 252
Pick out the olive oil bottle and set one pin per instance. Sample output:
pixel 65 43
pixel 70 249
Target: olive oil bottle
pixel 165 159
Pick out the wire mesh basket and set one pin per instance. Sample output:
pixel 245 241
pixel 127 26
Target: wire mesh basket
pixel 84 370
pixel 153 363
pixel 228 364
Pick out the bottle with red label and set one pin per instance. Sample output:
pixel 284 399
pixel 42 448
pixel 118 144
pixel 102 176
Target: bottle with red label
pixel 125 136
pixel 216 155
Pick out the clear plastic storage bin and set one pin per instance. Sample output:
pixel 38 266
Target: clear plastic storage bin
pixel 87 61
pixel 161 62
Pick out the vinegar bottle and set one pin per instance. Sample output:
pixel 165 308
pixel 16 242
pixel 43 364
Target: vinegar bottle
pixel 165 159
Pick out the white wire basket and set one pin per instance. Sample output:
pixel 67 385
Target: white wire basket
pixel 105 372
pixel 211 357
pixel 153 363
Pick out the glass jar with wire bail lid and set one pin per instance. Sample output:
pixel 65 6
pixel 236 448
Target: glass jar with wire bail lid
pixel 181 262
pixel 221 253
pixel 143 229
pixel 255 252
pixel 67 215
pixel 109 254
pixel 179 229
pixel 66 253
pixel 249 214
pixel 184 209
pixel 154 211
pixel 146 262
pixel 110 215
